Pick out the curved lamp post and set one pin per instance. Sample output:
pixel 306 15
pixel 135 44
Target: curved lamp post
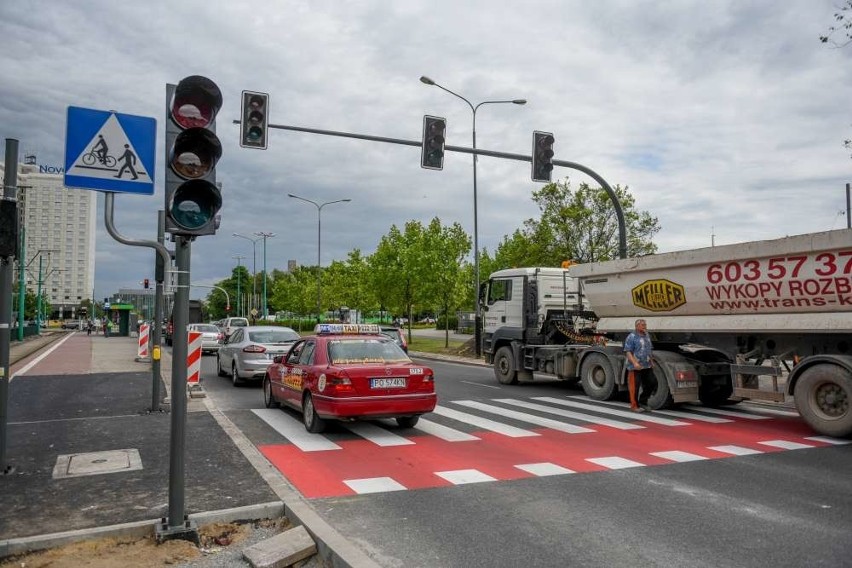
pixel 253 265
pixel 319 207
pixel 264 236
pixel 474 108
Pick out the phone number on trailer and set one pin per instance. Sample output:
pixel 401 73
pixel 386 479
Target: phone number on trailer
pixel 778 268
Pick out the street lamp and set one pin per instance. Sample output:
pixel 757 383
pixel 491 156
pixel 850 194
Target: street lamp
pixel 40 281
pixel 253 264
pixel 474 108
pixel 239 277
pixel 264 236
pixel 319 207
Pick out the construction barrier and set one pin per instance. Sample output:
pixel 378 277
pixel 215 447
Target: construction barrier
pixel 193 358
pixel 142 351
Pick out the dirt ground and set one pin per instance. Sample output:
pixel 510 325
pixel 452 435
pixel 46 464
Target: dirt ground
pixel 143 552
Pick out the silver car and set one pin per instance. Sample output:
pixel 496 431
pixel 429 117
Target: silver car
pixel 246 353
pixel 211 336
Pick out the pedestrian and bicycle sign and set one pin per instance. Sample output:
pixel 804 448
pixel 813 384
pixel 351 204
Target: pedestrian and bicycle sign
pixel 110 151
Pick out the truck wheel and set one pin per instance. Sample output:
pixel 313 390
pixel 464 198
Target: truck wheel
pixel 822 396
pixel 504 366
pixel 597 377
pixel 662 396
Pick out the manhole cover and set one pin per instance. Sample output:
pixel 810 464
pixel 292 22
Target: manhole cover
pixel 96 463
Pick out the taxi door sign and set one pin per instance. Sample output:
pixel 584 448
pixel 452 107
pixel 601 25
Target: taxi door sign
pixel 110 151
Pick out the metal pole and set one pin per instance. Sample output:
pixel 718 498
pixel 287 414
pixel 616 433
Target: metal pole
pixel 156 333
pixel 22 284
pixel 10 184
pixel 848 218
pixel 319 261
pixel 477 334
pixel 178 414
pixel 239 278
pixel 38 298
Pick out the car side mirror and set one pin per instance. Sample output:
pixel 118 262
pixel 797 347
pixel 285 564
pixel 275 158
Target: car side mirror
pixel 278 358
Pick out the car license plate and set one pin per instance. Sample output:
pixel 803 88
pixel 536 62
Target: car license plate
pixel 388 383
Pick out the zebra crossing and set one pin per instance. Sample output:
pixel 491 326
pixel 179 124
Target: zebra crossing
pixel 487 440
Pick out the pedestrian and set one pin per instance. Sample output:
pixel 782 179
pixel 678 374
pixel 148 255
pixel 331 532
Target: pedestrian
pixel 640 374
pixel 108 328
pixel 89 327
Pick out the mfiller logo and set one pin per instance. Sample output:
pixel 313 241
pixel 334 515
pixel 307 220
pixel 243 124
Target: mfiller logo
pixel 659 295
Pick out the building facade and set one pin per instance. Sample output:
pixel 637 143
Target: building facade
pixel 58 229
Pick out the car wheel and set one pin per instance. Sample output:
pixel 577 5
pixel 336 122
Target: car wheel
pixel 235 375
pixel 219 370
pixel 504 364
pixel 313 423
pixel 268 398
pixel 407 421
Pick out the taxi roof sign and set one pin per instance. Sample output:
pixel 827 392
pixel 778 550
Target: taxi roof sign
pixel 346 328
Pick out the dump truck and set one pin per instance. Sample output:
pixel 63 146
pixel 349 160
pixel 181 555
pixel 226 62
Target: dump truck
pixel 766 320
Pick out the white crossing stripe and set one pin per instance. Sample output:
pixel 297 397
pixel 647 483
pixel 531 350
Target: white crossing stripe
pixel 463 476
pixel 624 413
pixel 615 462
pixel 377 434
pixel 678 456
pixel 679 413
pixel 786 445
pixel 523 417
pixel 544 469
pixel 721 412
pixel 485 423
pixel 735 450
pixel 569 414
pixel 374 485
pixel 294 431
pixel 829 440
pixel 444 432
pixel 773 411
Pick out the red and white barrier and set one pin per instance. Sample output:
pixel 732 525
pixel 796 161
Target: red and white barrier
pixel 142 351
pixel 193 358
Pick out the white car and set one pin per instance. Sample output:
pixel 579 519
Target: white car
pixel 246 353
pixel 211 336
pixel 231 324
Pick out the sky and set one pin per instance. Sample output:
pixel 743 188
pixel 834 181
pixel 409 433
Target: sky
pixel 725 119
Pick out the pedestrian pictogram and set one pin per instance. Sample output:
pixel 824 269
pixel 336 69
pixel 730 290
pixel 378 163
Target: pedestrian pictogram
pixel 109 151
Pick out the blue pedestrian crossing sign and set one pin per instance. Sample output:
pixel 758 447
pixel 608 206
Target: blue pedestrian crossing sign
pixel 110 151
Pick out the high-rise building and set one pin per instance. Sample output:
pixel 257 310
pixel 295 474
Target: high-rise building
pixel 58 226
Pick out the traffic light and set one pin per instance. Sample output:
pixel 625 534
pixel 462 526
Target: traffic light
pixel 192 149
pixel 255 120
pixel 542 156
pixel 8 228
pixel 145 283
pixel 84 311
pixel 432 150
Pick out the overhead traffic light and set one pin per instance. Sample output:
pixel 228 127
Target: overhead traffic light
pixel 8 228
pixel 192 150
pixel 255 120
pixel 432 150
pixel 542 156
pixel 145 283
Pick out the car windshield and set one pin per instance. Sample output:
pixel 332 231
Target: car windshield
pixel 273 336
pixel 355 351
pixel 239 323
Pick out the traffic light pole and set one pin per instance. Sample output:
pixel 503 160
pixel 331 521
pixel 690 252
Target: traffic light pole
pixel 619 212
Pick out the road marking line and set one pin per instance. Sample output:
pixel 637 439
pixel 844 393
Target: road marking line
pixel 569 414
pixel 678 456
pixel 786 444
pixel 615 462
pixel 772 411
pixel 721 412
pixel 377 434
pixel 485 423
pixel 23 370
pixel 524 417
pixel 829 440
pixel 544 469
pixel 624 413
pixel 674 413
pixel 294 431
pixel 443 432
pixel 735 450
pixel 374 485
pixel 464 476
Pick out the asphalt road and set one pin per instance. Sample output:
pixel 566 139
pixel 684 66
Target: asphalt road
pixel 682 503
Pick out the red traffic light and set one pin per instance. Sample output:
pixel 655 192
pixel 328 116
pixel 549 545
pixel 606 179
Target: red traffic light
pixel 145 283
pixel 196 102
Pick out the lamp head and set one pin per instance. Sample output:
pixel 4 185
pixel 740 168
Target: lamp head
pixel 520 101
pixel 426 80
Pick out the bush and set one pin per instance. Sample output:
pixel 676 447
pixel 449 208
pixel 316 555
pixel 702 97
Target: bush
pixel 447 323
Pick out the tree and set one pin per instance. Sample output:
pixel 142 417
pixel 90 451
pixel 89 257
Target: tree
pixel 579 226
pixel 843 28
pixel 446 278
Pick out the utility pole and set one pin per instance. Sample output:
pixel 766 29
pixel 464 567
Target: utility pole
pixel 10 186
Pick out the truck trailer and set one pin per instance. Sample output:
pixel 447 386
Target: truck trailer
pixel 756 320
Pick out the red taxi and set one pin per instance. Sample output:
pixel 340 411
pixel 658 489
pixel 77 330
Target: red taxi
pixel 349 371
